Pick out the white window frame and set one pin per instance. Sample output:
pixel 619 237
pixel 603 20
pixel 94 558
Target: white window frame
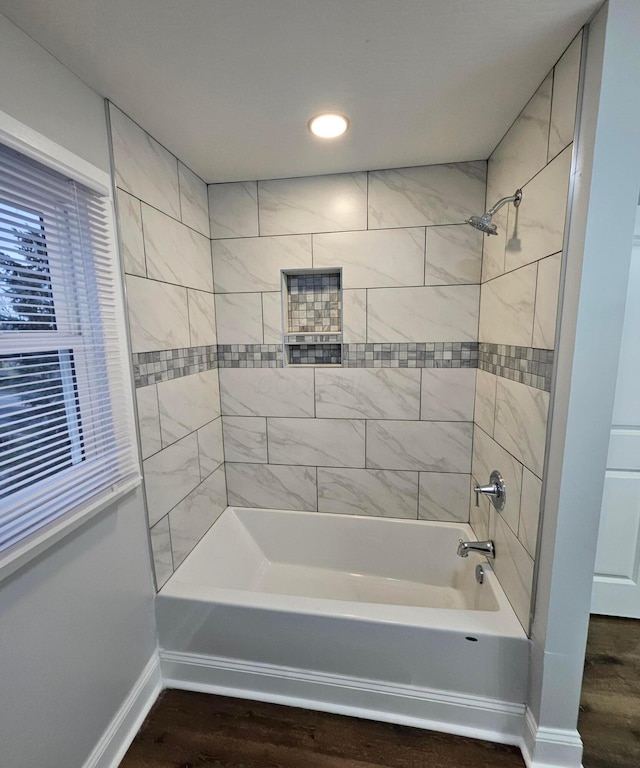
pixel 21 138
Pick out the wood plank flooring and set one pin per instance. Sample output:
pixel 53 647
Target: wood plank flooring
pixel 194 730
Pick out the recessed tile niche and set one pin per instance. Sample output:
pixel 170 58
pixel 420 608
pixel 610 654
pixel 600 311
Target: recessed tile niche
pixel 312 316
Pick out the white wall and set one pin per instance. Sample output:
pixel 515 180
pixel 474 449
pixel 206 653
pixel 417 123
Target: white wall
pixel 77 624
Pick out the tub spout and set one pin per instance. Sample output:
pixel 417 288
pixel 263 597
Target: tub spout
pixel 486 548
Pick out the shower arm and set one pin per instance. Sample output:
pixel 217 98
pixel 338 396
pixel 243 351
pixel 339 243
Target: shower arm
pixel 515 199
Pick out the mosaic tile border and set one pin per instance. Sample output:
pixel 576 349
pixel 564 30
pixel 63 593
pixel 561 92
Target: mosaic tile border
pixel 426 354
pixel 154 367
pixel 527 365
pixel 250 356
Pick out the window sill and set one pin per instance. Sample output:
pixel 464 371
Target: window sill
pixel 25 552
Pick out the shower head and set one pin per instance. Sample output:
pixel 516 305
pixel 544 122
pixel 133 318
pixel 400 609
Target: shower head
pixel 484 223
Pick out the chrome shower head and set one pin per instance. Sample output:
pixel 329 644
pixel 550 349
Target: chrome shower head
pixel 484 223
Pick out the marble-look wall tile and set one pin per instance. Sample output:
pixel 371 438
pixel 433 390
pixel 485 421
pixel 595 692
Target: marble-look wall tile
pixel 254 263
pixel 158 316
pixel 143 167
pixel 521 422
pixel 513 567
pixel 489 455
pixel 354 316
pixel 267 391
pixel 239 318
pixel 507 306
pixel 193 200
pixel 480 516
pixel 175 253
pixel 316 442
pixel 271 486
pixel 375 258
pixel 202 318
pixel 433 313
pixel 544 321
pixel 523 150
pixel 376 492
pixel 485 401
pixel 313 204
pixel 161 549
pixel 233 209
pixel 493 247
pixel 130 225
pixel 444 496
pixel 245 439
pixel 447 394
pixel 454 255
pixel 148 420
pixel 530 511
pixel 426 195
pixel 170 475
pixel 541 214
pixel 427 446
pixel 187 403
pixel 565 98
pixel 195 514
pixel 272 317
pixel 210 447
pixel 369 393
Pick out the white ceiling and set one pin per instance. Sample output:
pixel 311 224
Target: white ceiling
pixel 229 85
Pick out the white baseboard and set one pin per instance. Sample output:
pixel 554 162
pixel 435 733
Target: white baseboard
pixel 122 729
pixel 550 747
pixel 459 714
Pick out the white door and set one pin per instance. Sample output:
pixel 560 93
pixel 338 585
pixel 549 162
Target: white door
pixel 616 583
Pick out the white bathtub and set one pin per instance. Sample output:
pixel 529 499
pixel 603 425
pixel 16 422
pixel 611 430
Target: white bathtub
pixel 366 616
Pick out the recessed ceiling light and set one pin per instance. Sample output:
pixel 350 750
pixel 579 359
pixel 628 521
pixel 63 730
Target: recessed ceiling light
pixel 328 126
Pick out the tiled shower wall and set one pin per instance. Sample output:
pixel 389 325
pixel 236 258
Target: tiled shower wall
pixel 519 297
pixel 164 230
pixel 390 432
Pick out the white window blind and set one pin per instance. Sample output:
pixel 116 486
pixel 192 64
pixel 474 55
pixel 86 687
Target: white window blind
pixel 65 434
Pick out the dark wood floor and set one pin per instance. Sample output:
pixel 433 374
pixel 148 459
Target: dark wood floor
pixel 192 730
pixel 609 720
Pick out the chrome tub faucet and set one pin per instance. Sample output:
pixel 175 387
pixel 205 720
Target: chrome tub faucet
pixel 486 548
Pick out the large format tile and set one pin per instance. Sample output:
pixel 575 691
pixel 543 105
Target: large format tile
pixel 130 225
pixel 267 391
pixel 195 514
pixel 158 315
pixel 433 313
pixel 544 321
pixel 370 393
pixel 376 492
pixel 484 413
pixel 513 567
pixel 373 259
pixel 447 394
pixel 254 263
pixel 271 486
pixel 233 209
pixel 210 447
pixel 170 475
pixel 427 446
pixel 493 247
pixel 316 442
pixel 175 253
pixel 148 420
pixel 239 318
pixel 193 200
pixel 521 422
pixel 479 516
pixel 454 255
pixel 313 204
pixel 245 439
pixel 425 195
pixel 202 318
pixel 489 455
pixel 187 403
pixel 530 511
pixel 541 214
pixel 566 75
pixel 507 306
pixel 272 317
pixel 161 550
pixel 354 316
pixel 444 496
pixel 143 167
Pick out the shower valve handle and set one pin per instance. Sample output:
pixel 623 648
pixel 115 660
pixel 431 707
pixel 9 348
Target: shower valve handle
pixel 495 490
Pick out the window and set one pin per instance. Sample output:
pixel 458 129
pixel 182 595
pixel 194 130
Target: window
pixel 65 431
